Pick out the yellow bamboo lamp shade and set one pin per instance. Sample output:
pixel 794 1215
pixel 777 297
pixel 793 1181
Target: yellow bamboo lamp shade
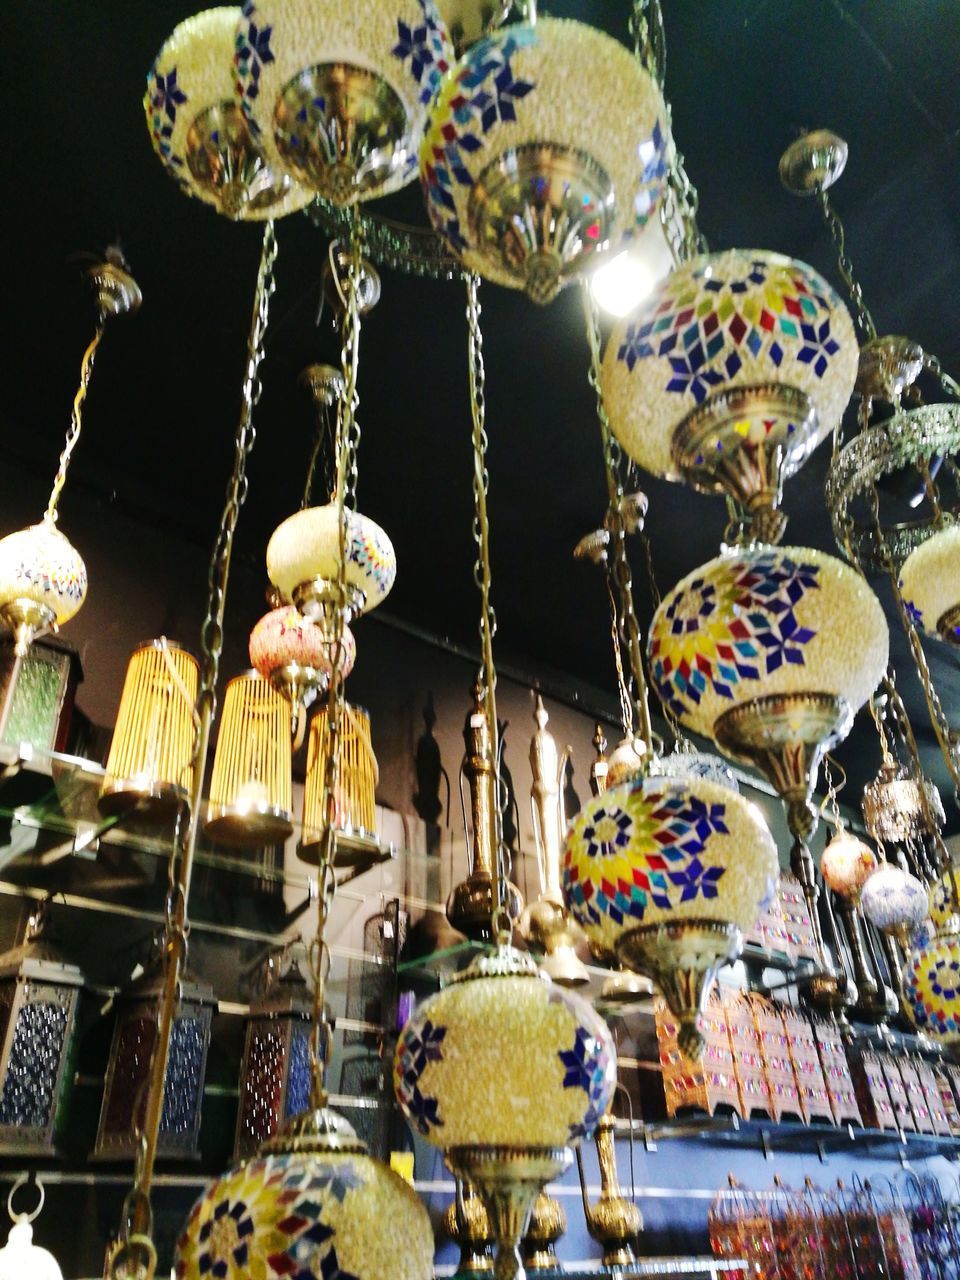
pixel 250 788
pixel 148 769
pixel 357 780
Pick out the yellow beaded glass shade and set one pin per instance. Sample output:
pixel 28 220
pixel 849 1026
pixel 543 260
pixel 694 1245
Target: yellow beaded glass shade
pixel 932 987
pixel 930 584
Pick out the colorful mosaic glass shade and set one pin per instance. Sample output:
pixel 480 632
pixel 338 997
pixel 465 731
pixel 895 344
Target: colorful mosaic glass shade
pixel 930 584
pixel 944 896
pixel 338 94
pixel 546 145
pixel 306 547
pixel 721 324
pixel 199 131
pixel 661 850
pixel 285 636
pixel 324 1216
pixel 932 987
pixel 39 564
pixel 894 901
pixel 504 1060
pixel 760 621
pixel 847 864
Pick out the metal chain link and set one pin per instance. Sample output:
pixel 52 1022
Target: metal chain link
pixel 76 421
pixel 681 741
pixel 629 627
pixel 623 689
pixel 348 425
pixel 835 227
pixel 325 448
pixel 649 43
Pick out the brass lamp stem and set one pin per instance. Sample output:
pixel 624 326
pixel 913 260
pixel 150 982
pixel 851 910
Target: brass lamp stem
pixel 133 1253
pixel 618 540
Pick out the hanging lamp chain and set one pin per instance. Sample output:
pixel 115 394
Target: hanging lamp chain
pixel 76 421
pixel 623 688
pixel 345 452
pixel 132 1256
pixel 649 43
pixel 325 449
pixel 681 741
pixel 835 226
pixel 629 627
pixel 502 926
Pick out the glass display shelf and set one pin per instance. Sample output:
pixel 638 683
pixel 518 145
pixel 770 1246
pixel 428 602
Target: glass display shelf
pixel 652 1267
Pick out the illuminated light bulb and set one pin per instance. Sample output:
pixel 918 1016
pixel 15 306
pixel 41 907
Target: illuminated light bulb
pixel 621 284
pixel 21 1259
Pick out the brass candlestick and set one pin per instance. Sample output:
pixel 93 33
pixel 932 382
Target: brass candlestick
pixel 467 1223
pixel 614 1221
pixel 548 1223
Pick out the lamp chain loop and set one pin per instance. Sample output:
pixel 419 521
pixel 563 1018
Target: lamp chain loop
pixel 324 447
pixel 629 627
pixel 136 1228
pixel 345 452
pixel 501 923
pixel 76 421
pixel 649 42
pixel 834 225
pixel 626 704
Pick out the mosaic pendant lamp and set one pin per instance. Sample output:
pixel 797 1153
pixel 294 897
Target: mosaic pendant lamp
pixel 930 584
pixel 296 655
pixel 730 375
pixel 846 865
pixel 944 898
pixel 932 987
pixel 43 580
pixel 895 902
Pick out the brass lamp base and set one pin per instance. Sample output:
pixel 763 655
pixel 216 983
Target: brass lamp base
pixel 682 957
pixel 467 1223
pixel 25 619
pixel 355 848
pixel 827 991
pixel 342 131
pixel 813 162
pixel 248 826
pixel 537 211
pixel 470 906
pixel 319 598
pixel 321 1131
pixel 785 737
pixel 151 802
pixel 548 1223
pixel 508 1180
pixel 225 160
pixel 888 365
pixel 299 685
pixel 745 442
pixel 948 625
pixel 626 988
pixel 548 927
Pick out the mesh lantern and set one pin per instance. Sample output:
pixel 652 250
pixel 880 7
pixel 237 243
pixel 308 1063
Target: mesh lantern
pixel 547 145
pixel 730 375
pixel 669 874
pixel 199 131
pixel 338 94
pixel 930 584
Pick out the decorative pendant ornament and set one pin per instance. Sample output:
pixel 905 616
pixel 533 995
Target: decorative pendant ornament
pixel 895 902
pixel 669 874
pixel 932 987
pixel 295 654
pixel 468 20
pixel 730 375
pixel 930 584
pixel 945 901
pixel 547 145
pixel 20 1258
pixel 339 97
pixel 847 864
pixel 199 131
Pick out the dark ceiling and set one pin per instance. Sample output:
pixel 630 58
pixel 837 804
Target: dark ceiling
pixel 743 75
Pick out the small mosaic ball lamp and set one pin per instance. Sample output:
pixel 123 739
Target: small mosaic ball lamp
pixel 504 1071
pixel 43 580
pixel 932 988
pixel 296 655
pixel 847 864
pixel 199 131
pixel 930 584
pixel 669 874
pixel 730 375
pixel 770 652
pixel 547 145
pixel 944 897
pixel 895 902
pixel 338 94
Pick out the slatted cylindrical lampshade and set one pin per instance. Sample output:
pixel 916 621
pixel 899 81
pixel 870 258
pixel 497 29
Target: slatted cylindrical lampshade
pixel 357 779
pixel 250 788
pixel 149 763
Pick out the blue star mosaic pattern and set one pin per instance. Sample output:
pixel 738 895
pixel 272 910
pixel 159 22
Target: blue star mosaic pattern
pixel 419 1044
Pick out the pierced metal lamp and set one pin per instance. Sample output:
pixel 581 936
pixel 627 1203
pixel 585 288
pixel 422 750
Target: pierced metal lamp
pixel 198 128
pixel 730 375
pixel 250 787
pixel 149 762
pixel 338 96
pixel 357 778
pixel 547 145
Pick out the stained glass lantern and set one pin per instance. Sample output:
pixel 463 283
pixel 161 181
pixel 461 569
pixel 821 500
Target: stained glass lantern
pixel 43 581
pixel 198 128
pixel 770 652
pixel 148 768
pixel 296 655
pixel 357 777
pixel 338 95
pixel 669 874
pixel 251 784
pixel 945 899
pixel 546 146
pixel 504 1071
pixel 468 20
pixel 275 1072
pixel 895 902
pixel 847 864
pixel 43 698
pixel 39 994
pixel 124 1091
pixel 303 562
pixel 930 584
pixel 932 987
pixel 730 375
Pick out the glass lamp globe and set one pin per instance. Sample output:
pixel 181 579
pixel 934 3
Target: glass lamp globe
pixel 504 1071
pixel 468 20
pixel 895 902
pixel 338 94
pixel 199 131
pixel 295 654
pixel 930 584
pixel 546 146
pixel 303 560
pixel 730 375
pixel 669 874
pixel 932 987
pixel 43 580
pixel 944 896
pixel 312 1206
pixel 847 864
pixel 770 652
pixel 21 1259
